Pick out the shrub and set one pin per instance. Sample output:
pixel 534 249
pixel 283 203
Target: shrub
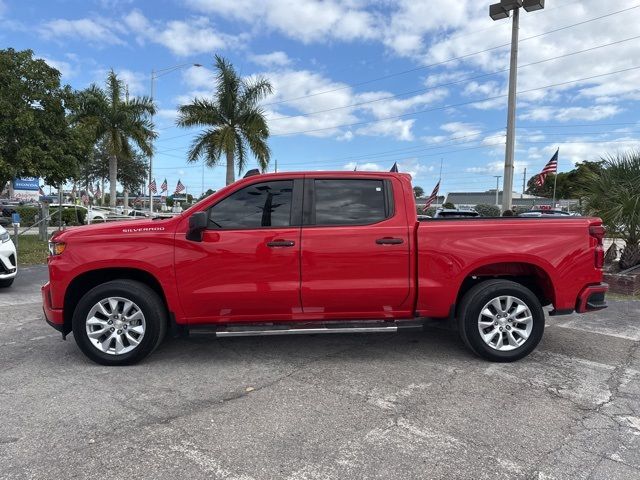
pixel 488 210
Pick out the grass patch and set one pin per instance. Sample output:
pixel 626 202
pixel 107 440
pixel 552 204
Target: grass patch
pixel 32 250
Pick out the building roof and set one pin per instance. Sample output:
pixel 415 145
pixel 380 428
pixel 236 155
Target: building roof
pixel 489 198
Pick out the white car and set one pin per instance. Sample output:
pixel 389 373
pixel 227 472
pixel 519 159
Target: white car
pixel 8 259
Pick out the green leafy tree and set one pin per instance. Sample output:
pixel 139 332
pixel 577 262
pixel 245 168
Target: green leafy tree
pixel 233 121
pixel 418 191
pixel 36 139
pixel 448 205
pixel 614 195
pixel 569 185
pixel 118 122
pixel 488 210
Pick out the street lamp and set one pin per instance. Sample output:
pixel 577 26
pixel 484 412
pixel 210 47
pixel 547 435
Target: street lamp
pixel 498 11
pixel 157 74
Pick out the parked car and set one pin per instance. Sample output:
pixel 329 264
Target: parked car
pixel 455 213
pixel 8 259
pixel 319 252
pixel 545 213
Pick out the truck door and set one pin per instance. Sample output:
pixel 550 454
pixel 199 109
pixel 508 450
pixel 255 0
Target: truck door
pixel 355 248
pixel 247 266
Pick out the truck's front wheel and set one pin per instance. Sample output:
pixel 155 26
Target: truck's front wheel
pixel 501 320
pixel 119 322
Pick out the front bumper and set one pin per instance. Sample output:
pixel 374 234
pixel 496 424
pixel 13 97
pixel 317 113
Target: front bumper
pixel 8 260
pixel 53 316
pixel 592 298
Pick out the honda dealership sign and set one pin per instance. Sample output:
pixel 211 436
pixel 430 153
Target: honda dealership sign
pixel 26 189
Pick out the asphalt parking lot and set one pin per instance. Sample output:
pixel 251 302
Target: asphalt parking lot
pixel 411 405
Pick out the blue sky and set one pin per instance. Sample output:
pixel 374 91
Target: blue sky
pixel 364 83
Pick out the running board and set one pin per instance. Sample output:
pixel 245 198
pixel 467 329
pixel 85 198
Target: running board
pixel 306 329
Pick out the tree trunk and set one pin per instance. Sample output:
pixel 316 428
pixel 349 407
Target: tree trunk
pixel 126 201
pixel 113 179
pixel 230 168
pixel 102 193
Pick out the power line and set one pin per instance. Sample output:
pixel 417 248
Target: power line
pixel 444 107
pixel 443 62
pixel 462 80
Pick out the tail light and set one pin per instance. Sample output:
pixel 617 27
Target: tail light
pixel 598 232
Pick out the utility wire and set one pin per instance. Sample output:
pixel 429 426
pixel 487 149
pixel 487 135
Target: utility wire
pixel 443 62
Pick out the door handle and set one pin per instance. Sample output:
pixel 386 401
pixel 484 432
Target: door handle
pixel 389 241
pixel 281 243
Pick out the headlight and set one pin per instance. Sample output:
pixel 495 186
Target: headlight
pixel 4 237
pixel 56 248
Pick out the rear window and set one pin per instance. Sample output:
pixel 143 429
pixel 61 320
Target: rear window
pixel 350 202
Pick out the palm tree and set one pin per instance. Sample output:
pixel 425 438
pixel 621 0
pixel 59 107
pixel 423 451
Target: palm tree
pixel 613 195
pixel 117 122
pixel 233 119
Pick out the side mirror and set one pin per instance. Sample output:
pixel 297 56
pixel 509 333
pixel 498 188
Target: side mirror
pixel 197 224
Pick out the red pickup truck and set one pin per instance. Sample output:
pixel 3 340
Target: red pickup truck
pixel 319 252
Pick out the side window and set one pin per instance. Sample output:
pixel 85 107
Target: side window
pixel 260 205
pixel 350 202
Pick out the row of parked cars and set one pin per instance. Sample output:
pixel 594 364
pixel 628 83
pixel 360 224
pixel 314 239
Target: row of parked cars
pixel 471 213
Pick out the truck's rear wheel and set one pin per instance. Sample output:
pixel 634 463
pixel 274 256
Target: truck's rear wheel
pixel 501 320
pixel 119 322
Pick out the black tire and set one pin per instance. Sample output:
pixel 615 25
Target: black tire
pixel 7 282
pixel 145 298
pixel 475 300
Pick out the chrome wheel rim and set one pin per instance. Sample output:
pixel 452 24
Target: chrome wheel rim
pixel 115 325
pixel 505 323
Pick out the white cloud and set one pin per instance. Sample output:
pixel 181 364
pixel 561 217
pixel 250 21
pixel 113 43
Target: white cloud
pixel 364 167
pixel 381 106
pixel 96 31
pixel 398 129
pixel 497 167
pixel 307 21
pixel 564 114
pixel 65 68
pixel 183 38
pixel 273 59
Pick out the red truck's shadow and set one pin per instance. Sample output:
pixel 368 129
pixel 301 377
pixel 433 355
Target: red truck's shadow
pixel 432 343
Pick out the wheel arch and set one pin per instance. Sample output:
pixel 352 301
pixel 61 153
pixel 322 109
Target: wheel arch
pixel 84 282
pixel 528 274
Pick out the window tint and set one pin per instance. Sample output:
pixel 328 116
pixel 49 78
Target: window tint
pixel 265 204
pixel 349 202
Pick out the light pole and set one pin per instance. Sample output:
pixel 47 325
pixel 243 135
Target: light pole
pixel 157 74
pixel 498 177
pixel 498 11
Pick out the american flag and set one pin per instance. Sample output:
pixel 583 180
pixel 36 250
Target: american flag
pixel 152 186
pixel 164 186
pixel 98 191
pixel 550 167
pixel 179 188
pixel 434 195
pixel 395 167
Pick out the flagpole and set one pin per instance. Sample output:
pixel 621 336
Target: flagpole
pixel 439 180
pixel 555 181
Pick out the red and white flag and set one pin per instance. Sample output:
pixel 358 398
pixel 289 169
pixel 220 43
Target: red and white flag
pixel 550 167
pixel 164 186
pixel 433 197
pixel 179 188
pixel 153 187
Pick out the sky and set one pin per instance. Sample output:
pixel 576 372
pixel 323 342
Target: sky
pixel 363 84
